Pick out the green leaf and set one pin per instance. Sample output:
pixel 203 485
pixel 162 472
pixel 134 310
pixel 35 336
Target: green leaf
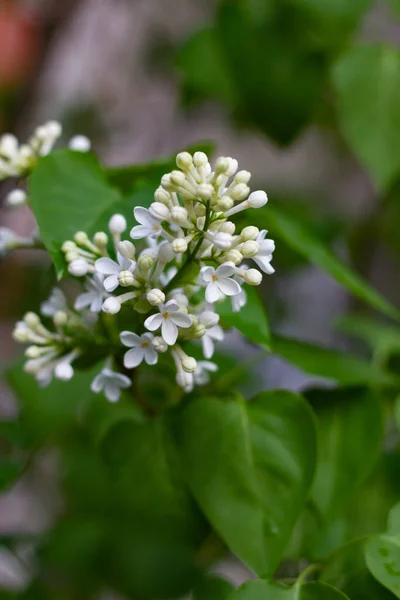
pixel 382 555
pixel 69 192
pixel 371 72
pixel 9 473
pixel 132 178
pixel 350 434
pixel 346 369
pixel 283 227
pixel 251 320
pixel 212 587
pixel 264 590
pixel 381 338
pixel 250 466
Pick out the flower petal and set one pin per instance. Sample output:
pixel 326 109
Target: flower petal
pixel 229 287
pixel 97 303
pixel 225 270
pixel 97 384
pixel 107 266
pixel 264 264
pixel 140 231
pixel 130 339
pixel 266 247
pixel 216 333
pixel 122 380
pixel 181 319
pixel 154 322
pixel 133 357
pixel 84 300
pixel 212 292
pixel 112 392
pixel 143 216
pixel 208 346
pixel 206 274
pixel 171 306
pixel 150 355
pixel 169 331
pixel 111 283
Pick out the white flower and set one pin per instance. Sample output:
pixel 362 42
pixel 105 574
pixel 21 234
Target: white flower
pixel 80 143
pixel 94 295
pixel 169 319
pixel 149 227
pixel 213 334
pixel 201 375
pixel 239 301
pixel 55 302
pixel 110 382
pixel 218 281
pixel 141 348
pixel 264 255
pixel 8 240
pixel 107 266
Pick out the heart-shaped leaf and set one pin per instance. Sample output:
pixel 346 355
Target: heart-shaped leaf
pixel 250 466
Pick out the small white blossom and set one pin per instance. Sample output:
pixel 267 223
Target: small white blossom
pixel 16 198
pixel 56 302
pixel 219 281
pixel 239 301
pixel 201 375
pixel 80 143
pixel 141 348
pixel 264 255
pixel 169 319
pixel 107 266
pixel 149 227
pixel 94 295
pixel 110 383
pixel 212 335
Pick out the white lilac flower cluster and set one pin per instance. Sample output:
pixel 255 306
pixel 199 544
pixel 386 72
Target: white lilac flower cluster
pixel 187 257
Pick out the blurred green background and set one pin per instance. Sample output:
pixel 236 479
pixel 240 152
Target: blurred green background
pixel 306 95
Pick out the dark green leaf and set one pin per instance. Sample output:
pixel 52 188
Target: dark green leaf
pixel 331 364
pixel 382 554
pixel 251 320
pixel 69 192
pixel 350 432
pixel 264 590
pixel 250 467
pixel 9 473
pixel 281 226
pixel 371 72
pixel 212 587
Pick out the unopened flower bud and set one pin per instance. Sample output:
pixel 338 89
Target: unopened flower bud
pixel 184 160
pixel 184 380
pixel 249 249
pixel 239 191
pixel 155 297
pixel 33 351
pixel 162 196
pixel 232 168
pixel 200 210
pixel 145 263
pixel 127 249
pixel 21 334
pixel 53 129
pixel 257 199
pixel 159 211
pixel 198 331
pixel 178 178
pixel 71 256
pixel 32 320
pixel 189 364
pixel 68 246
pixel 111 306
pixel 221 164
pixel 81 238
pixel 60 318
pixel 179 215
pixel 234 256
pixel 100 239
pixel 16 198
pixel 80 143
pixel 222 241
pixel 227 227
pixel 166 182
pixel 165 252
pixel 159 344
pixel 225 203
pixel 78 267
pixel 249 233
pixel 205 191
pixel 242 177
pixel 126 278
pixel 63 371
pixel 200 159
pixel 179 245
pixel 117 224
pixel 252 277
pixel 209 318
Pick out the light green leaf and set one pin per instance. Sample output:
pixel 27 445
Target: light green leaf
pixel 382 554
pixel 331 364
pixel 69 192
pixel 283 227
pixel 350 433
pixel 264 590
pixel 367 84
pixel 250 466
pixel 251 320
